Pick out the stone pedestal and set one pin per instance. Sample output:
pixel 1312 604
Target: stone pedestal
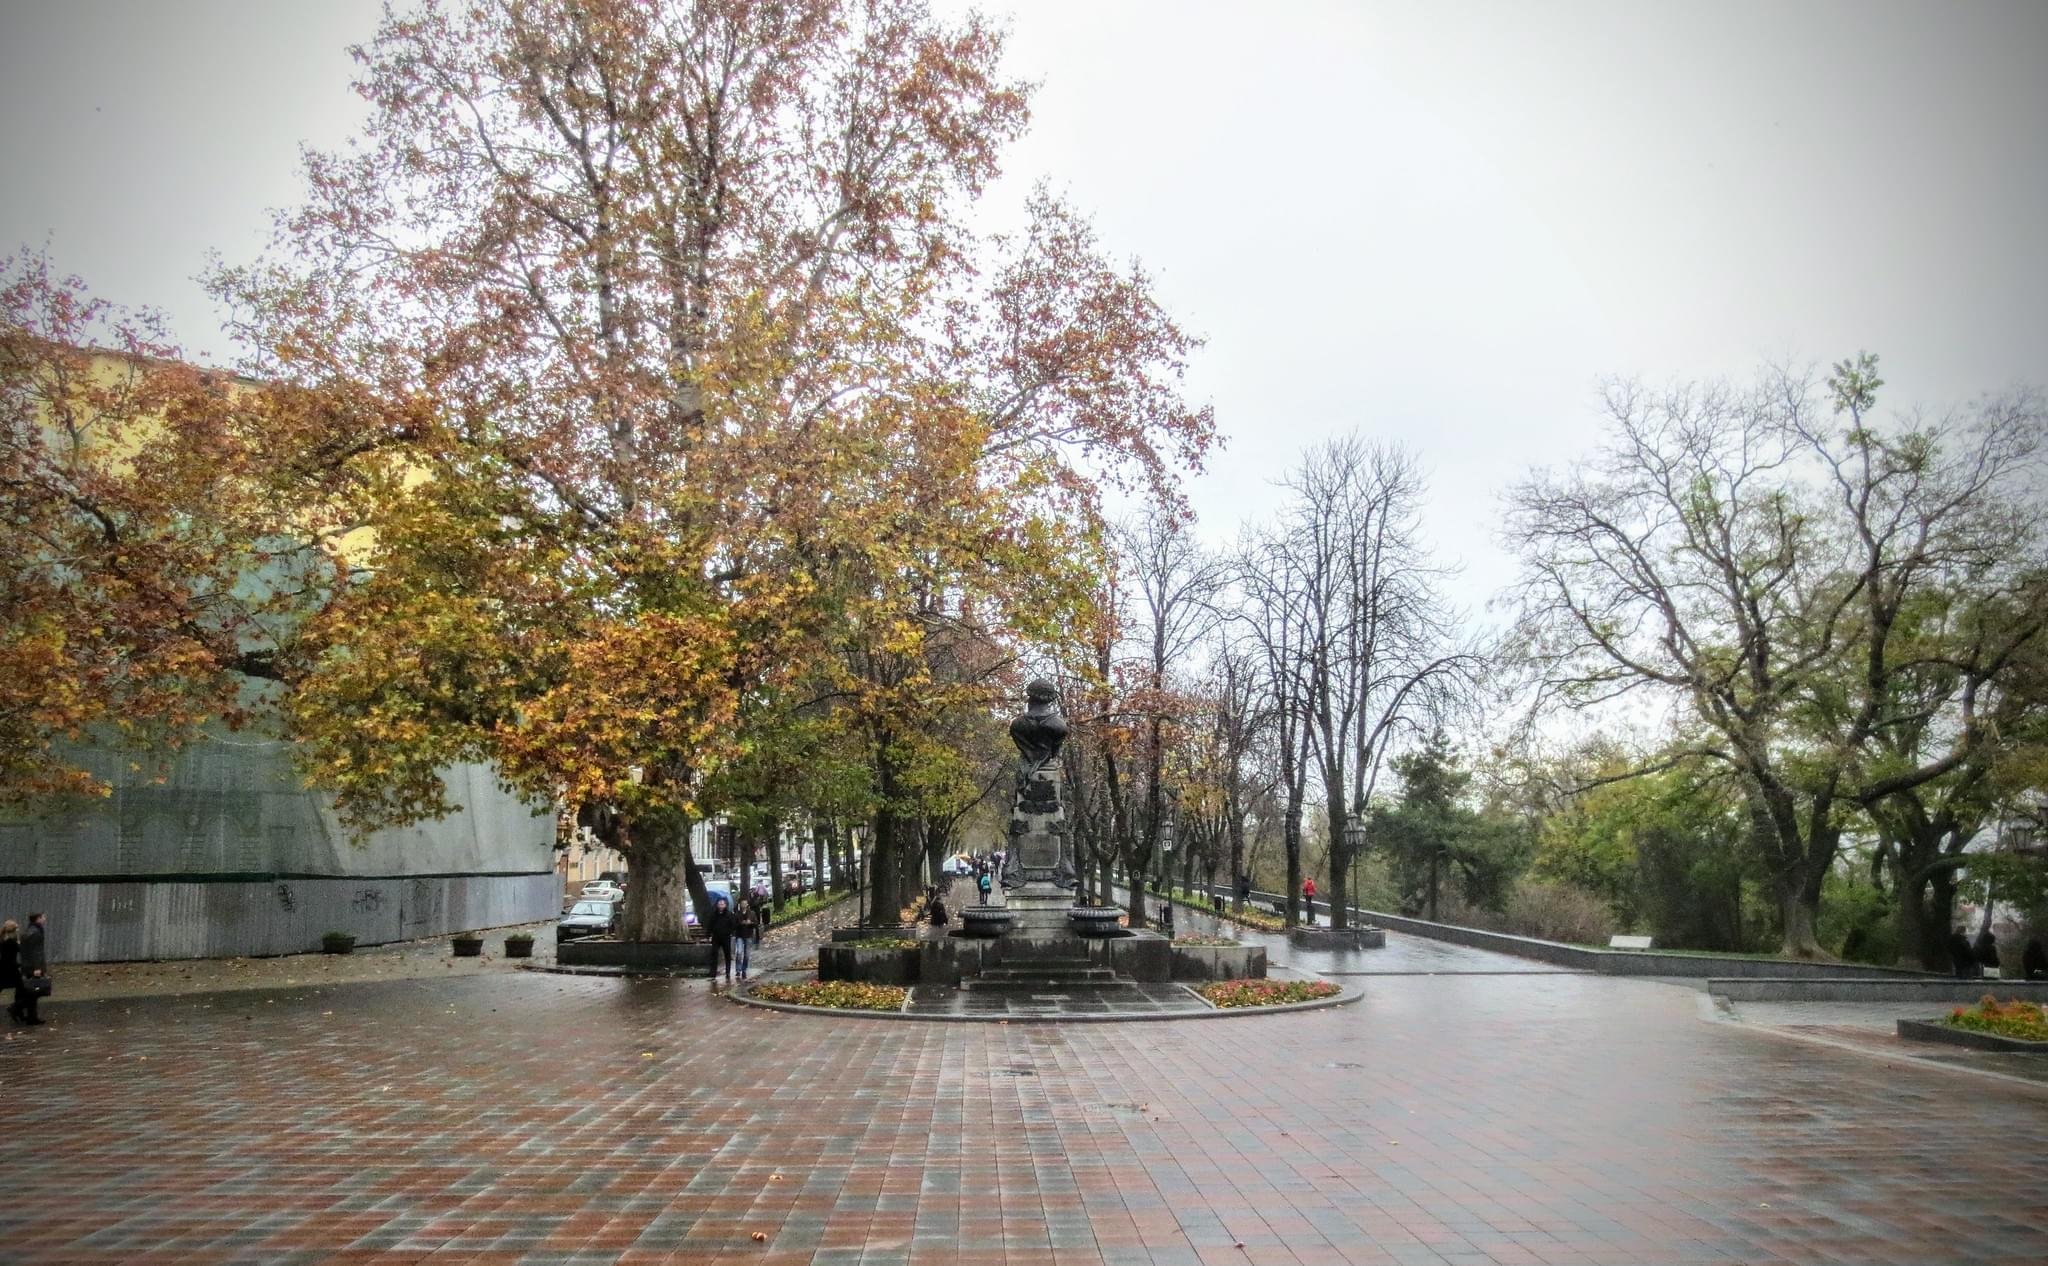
pixel 1041 909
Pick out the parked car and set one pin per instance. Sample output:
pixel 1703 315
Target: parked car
pixel 591 917
pixel 714 892
pixel 603 890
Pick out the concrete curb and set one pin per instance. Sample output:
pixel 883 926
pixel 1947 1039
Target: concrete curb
pixel 1933 990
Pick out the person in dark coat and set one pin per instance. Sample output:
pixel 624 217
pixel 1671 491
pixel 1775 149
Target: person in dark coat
pixel 1986 950
pixel 720 924
pixel 10 962
pixel 1964 958
pixel 746 929
pixel 34 965
pixel 2034 962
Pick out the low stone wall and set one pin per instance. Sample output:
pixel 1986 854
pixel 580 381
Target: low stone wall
pixel 646 955
pixel 1936 991
pixel 1613 962
pixel 1935 1031
pixel 869 965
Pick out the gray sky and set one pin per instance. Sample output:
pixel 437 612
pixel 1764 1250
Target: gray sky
pixel 1437 223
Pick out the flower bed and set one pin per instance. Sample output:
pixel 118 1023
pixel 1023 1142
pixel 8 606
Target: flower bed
pixel 2024 1020
pixel 1203 938
pixel 840 995
pixel 882 942
pixel 1266 993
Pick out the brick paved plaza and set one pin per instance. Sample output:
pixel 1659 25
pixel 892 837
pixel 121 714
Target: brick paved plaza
pixel 523 1117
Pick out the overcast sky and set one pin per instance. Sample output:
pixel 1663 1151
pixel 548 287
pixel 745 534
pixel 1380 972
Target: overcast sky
pixel 1436 223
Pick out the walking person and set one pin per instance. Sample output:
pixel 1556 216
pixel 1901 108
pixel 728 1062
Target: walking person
pixel 985 885
pixel 720 924
pixel 1308 889
pixel 32 975
pixel 746 929
pixel 10 962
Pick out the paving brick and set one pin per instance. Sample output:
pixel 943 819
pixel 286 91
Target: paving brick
pixel 522 1119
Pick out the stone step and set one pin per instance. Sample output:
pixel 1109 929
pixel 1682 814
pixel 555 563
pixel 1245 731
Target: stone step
pixel 1090 978
pixel 1080 969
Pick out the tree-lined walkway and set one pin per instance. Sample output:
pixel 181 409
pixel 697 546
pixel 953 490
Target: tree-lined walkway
pixel 533 1118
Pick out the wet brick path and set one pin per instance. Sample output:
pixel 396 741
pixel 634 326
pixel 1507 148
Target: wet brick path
pixel 518 1118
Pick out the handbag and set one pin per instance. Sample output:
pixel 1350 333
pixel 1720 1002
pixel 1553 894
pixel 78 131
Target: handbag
pixel 36 986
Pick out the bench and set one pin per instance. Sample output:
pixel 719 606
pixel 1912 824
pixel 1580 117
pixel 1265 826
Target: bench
pixel 1628 942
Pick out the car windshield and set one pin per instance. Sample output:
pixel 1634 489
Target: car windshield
pixel 591 907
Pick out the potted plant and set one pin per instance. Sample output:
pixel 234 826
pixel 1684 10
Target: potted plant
pixel 519 945
pixel 468 945
pixel 338 943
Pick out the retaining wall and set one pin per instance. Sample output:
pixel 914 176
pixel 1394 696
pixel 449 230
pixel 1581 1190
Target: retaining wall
pixel 1937 992
pixel 1613 962
pixel 113 921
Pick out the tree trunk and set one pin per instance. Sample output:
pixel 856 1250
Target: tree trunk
pixel 660 873
pixel 1340 871
pixel 1926 907
pixel 1236 860
pixel 774 840
pixel 745 852
pixel 1290 840
pixel 821 835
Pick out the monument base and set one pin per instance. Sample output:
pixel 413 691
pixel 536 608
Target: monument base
pixel 1041 908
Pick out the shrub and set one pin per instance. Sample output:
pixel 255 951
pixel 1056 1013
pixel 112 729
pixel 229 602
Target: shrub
pixel 1265 993
pixel 2014 1018
pixel 1550 910
pixel 840 995
pixel 883 942
pixel 1202 938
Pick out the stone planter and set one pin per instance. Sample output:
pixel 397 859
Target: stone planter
pixel 519 947
pixel 985 921
pixel 653 956
pixel 468 946
pixel 1096 921
pixel 1936 1031
pixel 1323 938
pixel 868 965
pixel 1219 962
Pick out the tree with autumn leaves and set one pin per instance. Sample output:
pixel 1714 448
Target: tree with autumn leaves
pixel 704 381
pixel 166 528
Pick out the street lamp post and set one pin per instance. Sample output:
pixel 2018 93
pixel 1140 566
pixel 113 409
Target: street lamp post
pixel 1354 843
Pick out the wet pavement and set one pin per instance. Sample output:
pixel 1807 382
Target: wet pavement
pixel 527 1118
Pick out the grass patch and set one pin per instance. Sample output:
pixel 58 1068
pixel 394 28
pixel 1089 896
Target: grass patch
pixel 808 904
pixel 840 995
pixel 882 942
pixel 2024 1020
pixel 1266 993
pixel 1249 917
pixel 1203 938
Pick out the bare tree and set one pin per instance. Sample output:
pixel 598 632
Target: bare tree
pixel 1739 554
